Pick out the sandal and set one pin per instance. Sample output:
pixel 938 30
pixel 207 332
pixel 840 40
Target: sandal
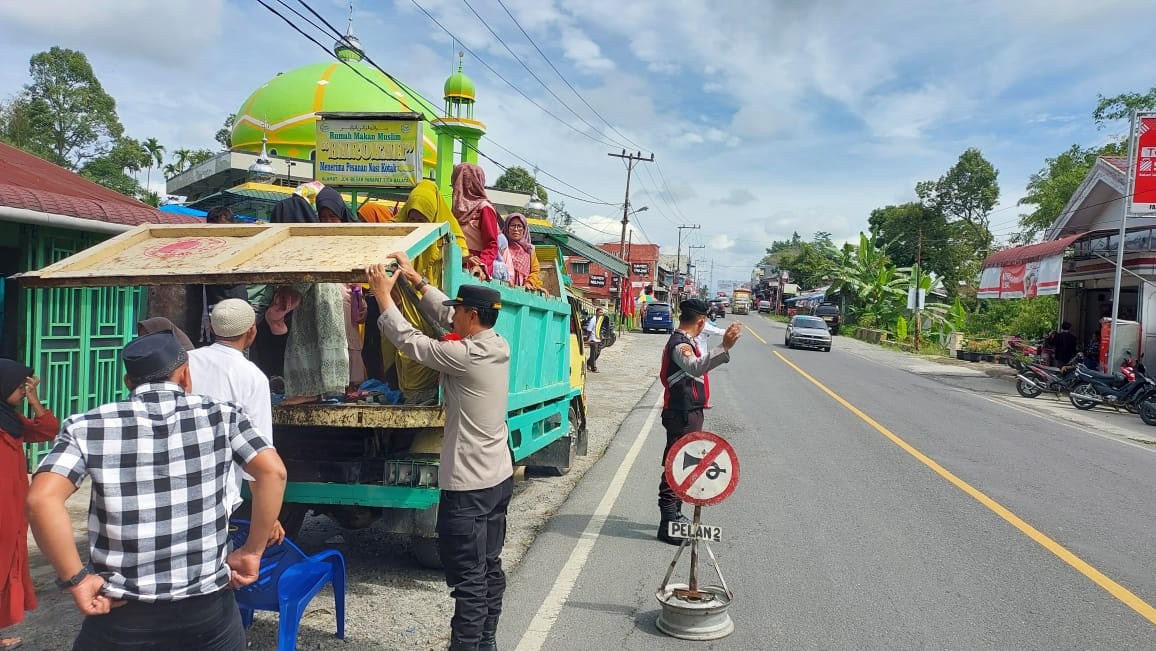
pixel 8 643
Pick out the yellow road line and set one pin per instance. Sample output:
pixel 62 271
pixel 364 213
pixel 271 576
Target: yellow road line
pixel 754 334
pixel 1115 589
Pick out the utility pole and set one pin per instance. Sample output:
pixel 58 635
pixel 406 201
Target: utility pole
pixel 678 258
pixel 688 257
pixel 918 283
pixel 711 275
pixel 631 161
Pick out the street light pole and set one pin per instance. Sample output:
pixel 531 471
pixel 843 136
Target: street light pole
pixel 1125 204
pixel 678 260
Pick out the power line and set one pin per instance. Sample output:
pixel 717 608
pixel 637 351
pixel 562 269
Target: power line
pixel 426 105
pixel 508 82
pixel 527 68
pixel 563 78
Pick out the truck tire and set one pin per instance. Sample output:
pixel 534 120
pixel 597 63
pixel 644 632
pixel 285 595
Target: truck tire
pixel 292 517
pixel 425 552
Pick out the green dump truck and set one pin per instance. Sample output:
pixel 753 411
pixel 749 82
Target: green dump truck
pixel 362 463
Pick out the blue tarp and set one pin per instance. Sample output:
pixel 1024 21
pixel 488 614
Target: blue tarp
pixel 193 212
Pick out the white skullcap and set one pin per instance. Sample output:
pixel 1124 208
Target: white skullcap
pixel 232 317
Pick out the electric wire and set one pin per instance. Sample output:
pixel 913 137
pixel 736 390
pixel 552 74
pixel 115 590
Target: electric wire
pixel 428 106
pixel 563 78
pixel 497 74
pixel 527 68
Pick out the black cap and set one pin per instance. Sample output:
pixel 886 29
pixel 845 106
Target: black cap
pixel 151 354
pixel 695 306
pixel 477 296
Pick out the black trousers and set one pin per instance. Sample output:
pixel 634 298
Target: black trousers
pixel 677 424
pixel 595 351
pixel 205 623
pixel 471 531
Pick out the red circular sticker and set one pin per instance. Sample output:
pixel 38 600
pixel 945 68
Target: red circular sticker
pixel 702 468
pixel 184 248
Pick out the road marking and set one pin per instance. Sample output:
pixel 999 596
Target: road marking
pixel 539 629
pixel 1115 589
pixel 754 334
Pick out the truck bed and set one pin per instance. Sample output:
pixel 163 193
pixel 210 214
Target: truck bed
pixel 359 415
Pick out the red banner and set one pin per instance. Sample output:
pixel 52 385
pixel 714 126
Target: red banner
pixel 1144 167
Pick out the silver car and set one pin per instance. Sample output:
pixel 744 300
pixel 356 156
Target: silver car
pixel 808 332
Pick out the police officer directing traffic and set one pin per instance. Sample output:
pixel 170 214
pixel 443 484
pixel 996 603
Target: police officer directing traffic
pixel 476 473
pixel 687 392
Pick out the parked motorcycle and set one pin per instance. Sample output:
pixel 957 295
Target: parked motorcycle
pixel 1019 353
pixel 1035 378
pixel 1091 388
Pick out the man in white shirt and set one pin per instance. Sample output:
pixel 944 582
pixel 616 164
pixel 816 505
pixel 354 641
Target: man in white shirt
pixel 222 372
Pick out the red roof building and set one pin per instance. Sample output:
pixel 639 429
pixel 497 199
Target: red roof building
pixel 34 191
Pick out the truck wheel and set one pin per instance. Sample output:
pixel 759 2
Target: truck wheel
pixel 572 453
pixel 425 552
pixel 292 516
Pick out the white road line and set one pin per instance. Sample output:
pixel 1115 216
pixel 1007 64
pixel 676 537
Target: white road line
pixel 539 629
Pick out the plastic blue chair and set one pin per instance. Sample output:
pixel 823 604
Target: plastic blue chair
pixel 288 581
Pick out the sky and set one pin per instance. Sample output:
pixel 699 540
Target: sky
pixel 765 117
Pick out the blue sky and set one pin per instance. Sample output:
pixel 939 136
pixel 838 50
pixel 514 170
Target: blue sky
pixel 766 116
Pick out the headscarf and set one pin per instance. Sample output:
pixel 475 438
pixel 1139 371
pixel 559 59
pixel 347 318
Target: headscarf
pixel 332 199
pixel 161 324
pixel 427 200
pixel 309 191
pixel 294 210
pixel 12 375
pixel 520 250
pixel 469 183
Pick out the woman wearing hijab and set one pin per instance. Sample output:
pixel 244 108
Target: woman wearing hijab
pixel 425 205
pixel 161 324
pixel 17 384
pixel 477 217
pixel 331 207
pixel 317 347
pixel 525 267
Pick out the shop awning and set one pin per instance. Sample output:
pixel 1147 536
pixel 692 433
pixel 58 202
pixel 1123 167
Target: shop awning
pixel 574 245
pixel 1031 252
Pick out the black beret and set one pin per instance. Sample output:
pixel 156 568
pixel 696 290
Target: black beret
pixel 477 296
pixel 152 354
pixel 694 306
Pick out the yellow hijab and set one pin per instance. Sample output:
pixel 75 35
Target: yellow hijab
pixel 427 200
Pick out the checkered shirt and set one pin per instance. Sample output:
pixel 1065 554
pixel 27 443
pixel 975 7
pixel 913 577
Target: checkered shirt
pixel 159 463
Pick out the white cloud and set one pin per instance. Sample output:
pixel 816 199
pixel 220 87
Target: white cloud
pixel 722 242
pixel 737 197
pixel 585 53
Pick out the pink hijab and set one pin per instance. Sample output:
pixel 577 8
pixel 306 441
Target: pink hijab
pixel 469 183
pixel 520 250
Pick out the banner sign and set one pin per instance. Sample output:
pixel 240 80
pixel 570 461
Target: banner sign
pixel 1027 280
pixel 1144 167
pixel 369 150
pixel 597 281
pixel 639 269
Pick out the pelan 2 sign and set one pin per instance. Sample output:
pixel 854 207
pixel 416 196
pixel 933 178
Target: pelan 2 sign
pixel 369 150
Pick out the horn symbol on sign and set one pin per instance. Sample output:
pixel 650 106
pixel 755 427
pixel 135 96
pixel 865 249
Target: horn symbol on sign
pixel 689 461
pixel 712 473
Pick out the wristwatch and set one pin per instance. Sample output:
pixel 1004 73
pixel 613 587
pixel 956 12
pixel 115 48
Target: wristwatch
pixel 74 581
pixel 421 285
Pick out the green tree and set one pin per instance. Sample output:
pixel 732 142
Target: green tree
pixel 198 156
pixel 18 125
pixel 912 231
pixel 519 179
pixel 876 291
pixel 116 168
pixel 181 159
pixel 1050 189
pixel 966 195
pixel 151 198
pixel 75 120
pixel 170 170
pixel 225 133
pixel 156 154
pixel 1120 107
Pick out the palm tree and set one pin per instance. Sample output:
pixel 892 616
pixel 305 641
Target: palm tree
pixel 182 159
pixel 156 153
pixel 171 170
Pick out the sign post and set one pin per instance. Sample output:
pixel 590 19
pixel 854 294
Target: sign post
pixel 702 469
pixel 1139 198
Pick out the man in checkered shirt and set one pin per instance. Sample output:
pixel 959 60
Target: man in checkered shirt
pixel 160 574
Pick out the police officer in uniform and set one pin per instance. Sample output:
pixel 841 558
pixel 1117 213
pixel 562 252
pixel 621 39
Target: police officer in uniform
pixel 687 393
pixel 476 473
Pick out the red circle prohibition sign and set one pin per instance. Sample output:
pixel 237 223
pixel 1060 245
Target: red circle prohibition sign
pixel 702 468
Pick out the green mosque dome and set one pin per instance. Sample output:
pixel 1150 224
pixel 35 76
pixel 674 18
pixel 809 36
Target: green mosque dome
pixel 460 86
pixel 285 107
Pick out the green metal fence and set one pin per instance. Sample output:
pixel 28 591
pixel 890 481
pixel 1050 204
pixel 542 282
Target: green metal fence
pixel 73 336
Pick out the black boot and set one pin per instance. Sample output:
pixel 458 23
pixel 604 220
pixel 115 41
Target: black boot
pixel 667 518
pixel 458 645
pixel 489 641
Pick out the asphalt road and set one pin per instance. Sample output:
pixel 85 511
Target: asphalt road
pixel 898 513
